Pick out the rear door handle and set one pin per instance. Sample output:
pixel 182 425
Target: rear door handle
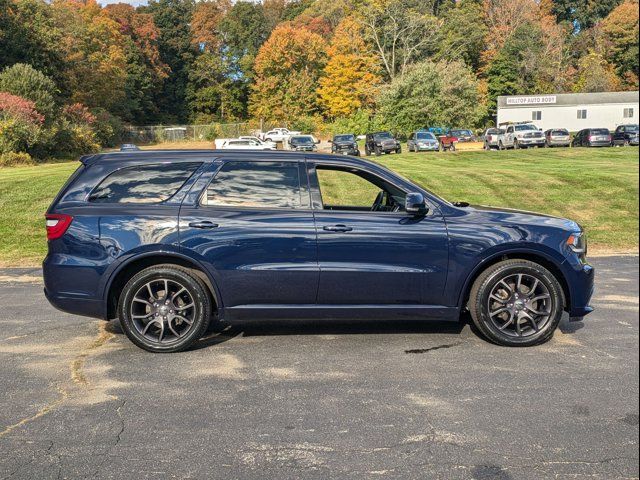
pixel 205 224
pixel 337 228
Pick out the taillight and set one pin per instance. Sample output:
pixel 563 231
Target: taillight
pixel 591 138
pixel 57 225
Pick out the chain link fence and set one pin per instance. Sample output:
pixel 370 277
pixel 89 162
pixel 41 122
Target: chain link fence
pixel 145 135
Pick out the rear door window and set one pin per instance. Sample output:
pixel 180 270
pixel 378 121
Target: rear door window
pixel 256 185
pixel 143 183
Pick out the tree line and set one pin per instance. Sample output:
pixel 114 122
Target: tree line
pixel 71 71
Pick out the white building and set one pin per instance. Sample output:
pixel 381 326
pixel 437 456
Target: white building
pixel 573 111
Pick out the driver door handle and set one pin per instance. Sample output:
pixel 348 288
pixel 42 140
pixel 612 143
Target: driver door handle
pixel 337 228
pixel 204 224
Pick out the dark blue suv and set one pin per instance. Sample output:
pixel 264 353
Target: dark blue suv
pixel 167 240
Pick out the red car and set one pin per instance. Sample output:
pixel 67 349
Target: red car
pixel 448 142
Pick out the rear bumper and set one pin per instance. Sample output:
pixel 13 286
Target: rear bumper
pixel 86 307
pixel 599 144
pixel 559 143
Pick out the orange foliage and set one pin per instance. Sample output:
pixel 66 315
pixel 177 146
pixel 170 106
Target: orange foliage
pixel 205 21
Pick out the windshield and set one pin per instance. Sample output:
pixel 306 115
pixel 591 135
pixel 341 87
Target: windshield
pixel 344 138
pixel 425 136
pixel 525 128
pixel 599 131
pixel 302 140
pixel 383 136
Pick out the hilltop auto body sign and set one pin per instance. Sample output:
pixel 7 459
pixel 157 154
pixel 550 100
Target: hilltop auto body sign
pixel 538 100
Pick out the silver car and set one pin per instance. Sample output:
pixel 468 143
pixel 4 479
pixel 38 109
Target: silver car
pixel 423 141
pixel 557 137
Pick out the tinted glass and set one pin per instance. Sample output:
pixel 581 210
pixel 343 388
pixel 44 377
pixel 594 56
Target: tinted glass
pixel 383 136
pixel 344 138
pixel 256 184
pixel 302 141
pixel 425 136
pixel 524 128
pixel 493 131
pixel 560 132
pixel 143 183
pixel 631 128
pixel 599 131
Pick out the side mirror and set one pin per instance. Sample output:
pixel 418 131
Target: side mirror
pixel 414 204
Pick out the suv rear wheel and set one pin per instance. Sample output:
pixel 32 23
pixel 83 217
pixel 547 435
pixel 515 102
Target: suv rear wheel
pixel 516 303
pixel 164 308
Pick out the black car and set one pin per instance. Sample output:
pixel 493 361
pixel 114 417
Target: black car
pixel 345 144
pixel 381 142
pixel 303 143
pixel 463 135
pixel 592 137
pixel 625 135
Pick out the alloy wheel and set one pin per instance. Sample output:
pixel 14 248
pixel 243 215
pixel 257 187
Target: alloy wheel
pixel 163 311
pixel 520 305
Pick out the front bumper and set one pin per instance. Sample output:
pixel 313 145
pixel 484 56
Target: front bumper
pixel 428 148
pixel 347 151
pixel 531 142
pixel 581 282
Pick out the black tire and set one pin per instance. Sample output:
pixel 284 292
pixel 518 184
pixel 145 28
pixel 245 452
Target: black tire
pixel 479 304
pixel 399 150
pixel 377 152
pixel 452 148
pixel 516 146
pixel 199 313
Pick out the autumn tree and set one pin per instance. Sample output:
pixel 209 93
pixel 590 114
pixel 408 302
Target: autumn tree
pixel 351 74
pixel 620 33
pixel 595 74
pixel 94 53
pixel 205 34
pixel 145 70
pixel 287 70
pixel 432 93
pixel 583 14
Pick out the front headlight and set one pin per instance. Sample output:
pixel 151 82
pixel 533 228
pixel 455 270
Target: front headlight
pixel 577 242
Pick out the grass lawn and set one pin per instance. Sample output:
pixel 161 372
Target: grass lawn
pixel 596 187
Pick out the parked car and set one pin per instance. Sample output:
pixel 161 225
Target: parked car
pixel 303 143
pixel 345 144
pixel 625 135
pixel 557 137
pixel 239 144
pixel 381 142
pixel 463 135
pixel 166 241
pixel 278 135
pixel 269 144
pixel 129 147
pixel 447 142
pixel 423 141
pixel 521 135
pixel 592 137
pixel 492 138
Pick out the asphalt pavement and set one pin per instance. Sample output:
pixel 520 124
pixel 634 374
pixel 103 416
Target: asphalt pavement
pixel 263 400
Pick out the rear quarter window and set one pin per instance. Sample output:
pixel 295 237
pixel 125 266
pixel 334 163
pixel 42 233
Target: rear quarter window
pixel 143 183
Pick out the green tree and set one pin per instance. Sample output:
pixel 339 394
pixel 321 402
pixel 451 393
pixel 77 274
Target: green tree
pixel 212 94
pixel 173 19
pixel 27 82
pixel 464 32
pixel 432 93
pixel 583 14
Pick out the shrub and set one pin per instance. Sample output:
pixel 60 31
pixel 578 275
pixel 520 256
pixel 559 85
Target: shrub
pixel 11 159
pixel 27 82
pixel 360 123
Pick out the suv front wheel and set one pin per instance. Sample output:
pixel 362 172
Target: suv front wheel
pixel 516 303
pixel 164 308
